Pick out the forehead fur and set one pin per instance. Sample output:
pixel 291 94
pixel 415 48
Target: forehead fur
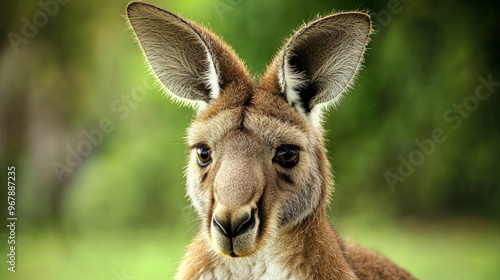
pixel 259 108
pixel 257 111
pixel 272 131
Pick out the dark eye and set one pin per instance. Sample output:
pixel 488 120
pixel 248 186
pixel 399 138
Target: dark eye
pixel 204 155
pixel 287 155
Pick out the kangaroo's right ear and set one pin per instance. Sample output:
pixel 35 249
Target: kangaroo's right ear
pixel 185 57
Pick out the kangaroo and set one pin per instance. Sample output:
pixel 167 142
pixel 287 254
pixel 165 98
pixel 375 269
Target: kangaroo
pixel 258 174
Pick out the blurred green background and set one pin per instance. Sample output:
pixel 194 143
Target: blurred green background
pixel 71 71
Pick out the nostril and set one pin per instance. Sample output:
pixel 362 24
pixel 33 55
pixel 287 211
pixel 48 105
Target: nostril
pixel 245 223
pixel 222 227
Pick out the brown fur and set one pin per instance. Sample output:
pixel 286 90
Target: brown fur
pixel 261 219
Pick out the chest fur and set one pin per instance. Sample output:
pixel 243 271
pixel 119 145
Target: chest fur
pixel 251 269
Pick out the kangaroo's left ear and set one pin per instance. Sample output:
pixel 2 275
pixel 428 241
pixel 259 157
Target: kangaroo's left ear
pixel 321 60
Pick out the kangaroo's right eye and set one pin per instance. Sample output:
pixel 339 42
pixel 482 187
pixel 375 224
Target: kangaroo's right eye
pixel 204 156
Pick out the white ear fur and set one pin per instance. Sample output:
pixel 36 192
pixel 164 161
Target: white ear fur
pixel 177 53
pixel 321 60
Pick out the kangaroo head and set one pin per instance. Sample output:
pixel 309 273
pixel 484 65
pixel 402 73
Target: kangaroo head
pixel 257 162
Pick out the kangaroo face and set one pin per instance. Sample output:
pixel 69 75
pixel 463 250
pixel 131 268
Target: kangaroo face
pixel 252 170
pixel 257 163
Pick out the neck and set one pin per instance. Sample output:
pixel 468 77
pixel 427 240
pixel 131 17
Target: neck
pixel 312 249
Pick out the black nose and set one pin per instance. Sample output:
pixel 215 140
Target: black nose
pixel 237 226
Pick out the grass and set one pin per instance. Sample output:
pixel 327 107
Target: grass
pixel 465 249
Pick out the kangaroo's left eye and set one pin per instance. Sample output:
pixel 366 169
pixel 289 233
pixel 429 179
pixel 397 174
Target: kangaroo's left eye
pixel 287 155
pixel 204 156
